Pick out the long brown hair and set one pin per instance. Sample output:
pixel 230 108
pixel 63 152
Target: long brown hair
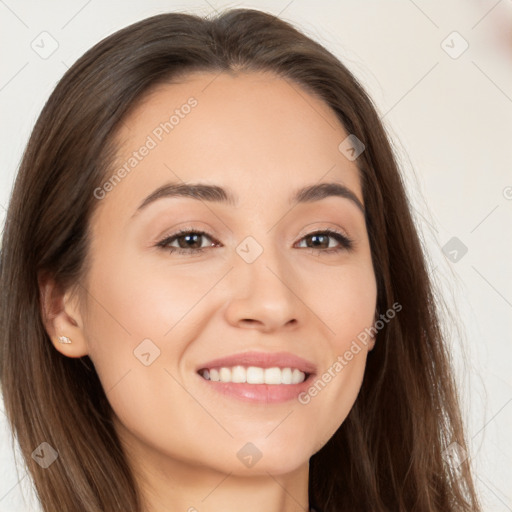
pixel 388 454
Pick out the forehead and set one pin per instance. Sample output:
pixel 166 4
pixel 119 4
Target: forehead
pixel 254 132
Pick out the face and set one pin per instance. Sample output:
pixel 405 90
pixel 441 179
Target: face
pixel 264 286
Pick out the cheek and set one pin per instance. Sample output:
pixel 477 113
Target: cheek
pixel 348 309
pixel 333 392
pixel 128 317
pixel 346 301
pixel 131 302
pixel 135 341
pixel 139 323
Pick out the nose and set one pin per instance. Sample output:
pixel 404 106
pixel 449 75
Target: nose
pixel 263 295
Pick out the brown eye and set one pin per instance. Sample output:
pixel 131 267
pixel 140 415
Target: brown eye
pixel 189 241
pixel 322 240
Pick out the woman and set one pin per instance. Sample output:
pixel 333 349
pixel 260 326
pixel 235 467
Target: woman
pixel 222 297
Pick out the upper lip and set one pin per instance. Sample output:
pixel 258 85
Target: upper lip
pixel 262 360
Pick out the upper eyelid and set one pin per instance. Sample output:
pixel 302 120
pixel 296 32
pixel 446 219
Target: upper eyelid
pixel 185 231
pixel 307 230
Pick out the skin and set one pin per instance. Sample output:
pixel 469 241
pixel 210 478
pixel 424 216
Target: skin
pixel 256 135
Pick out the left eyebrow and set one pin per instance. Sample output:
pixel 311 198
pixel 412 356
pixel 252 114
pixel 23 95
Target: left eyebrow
pixel 215 193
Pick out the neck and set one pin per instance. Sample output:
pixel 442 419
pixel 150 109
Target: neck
pixel 198 489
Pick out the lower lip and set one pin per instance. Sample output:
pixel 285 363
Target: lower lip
pixel 260 393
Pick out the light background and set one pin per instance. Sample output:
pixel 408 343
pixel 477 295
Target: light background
pixel 451 123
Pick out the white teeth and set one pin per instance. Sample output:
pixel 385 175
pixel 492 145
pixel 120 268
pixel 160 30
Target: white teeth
pixel 286 375
pixel 238 374
pixel 297 376
pixel 255 375
pixel 225 374
pixel 272 376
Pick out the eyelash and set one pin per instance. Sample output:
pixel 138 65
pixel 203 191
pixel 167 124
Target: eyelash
pixel 346 244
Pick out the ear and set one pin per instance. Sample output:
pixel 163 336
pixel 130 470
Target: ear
pixel 61 317
pixel 371 342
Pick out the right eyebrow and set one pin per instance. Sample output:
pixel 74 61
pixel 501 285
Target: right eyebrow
pixel 215 193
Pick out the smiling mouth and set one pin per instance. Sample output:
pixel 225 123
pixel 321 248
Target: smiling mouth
pixel 254 375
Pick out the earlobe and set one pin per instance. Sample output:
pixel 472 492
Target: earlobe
pixel 373 336
pixel 62 319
